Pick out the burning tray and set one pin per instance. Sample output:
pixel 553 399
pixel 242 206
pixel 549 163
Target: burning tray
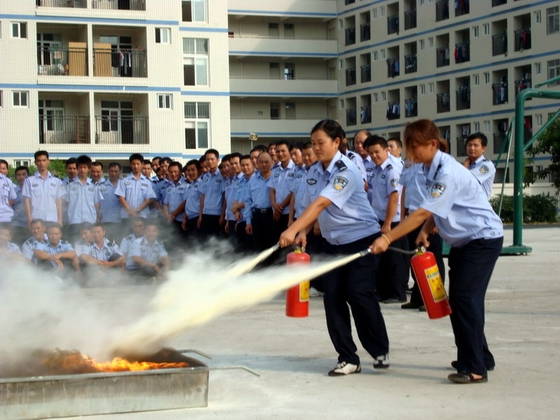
pixel 69 393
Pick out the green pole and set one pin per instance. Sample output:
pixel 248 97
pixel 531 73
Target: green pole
pixel 519 165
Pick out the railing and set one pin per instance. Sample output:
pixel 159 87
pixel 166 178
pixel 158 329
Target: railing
pixel 522 84
pixel 119 4
pixel 410 64
pixel 62 62
pixel 462 53
pixel 442 57
pixel 463 98
pixel 522 39
pixel 350 77
pixel 350 36
pixel 392 25
pixel 461 8
pixel 77 4
pixel 500 93
pixel 393 110
pixel 410 19
pixel 499 44
pixel 442 10
pixel 56 129
pixel 350 117
pixel 365 72
pixel 443 102
pixel 411 107
pixel 365 114
pixel 121 130
pixel 365 32
pixel 116 63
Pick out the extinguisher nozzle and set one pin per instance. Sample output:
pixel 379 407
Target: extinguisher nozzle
pixel 365 252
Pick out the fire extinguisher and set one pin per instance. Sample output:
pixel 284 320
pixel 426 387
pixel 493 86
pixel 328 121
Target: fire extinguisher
pixel 297 297
pixel 431 286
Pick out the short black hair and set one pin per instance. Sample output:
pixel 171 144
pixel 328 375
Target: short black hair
pixel 177 164
pixel 22 168
pixel 71 161
pixel 259 148
pixel 147 162
pixel 40 153
pixel 213 152
pixel 83 160
pixel 478 135
pixel 97 164
pixel 234 155
pixel 373 140
pixel 113 164
pixel 194 162
pixel 136 156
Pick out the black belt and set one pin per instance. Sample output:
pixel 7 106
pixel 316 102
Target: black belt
pixel 262 210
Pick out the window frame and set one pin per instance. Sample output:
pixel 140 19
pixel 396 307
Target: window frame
pixel 20 94
pixel 159 33
pixel 197 59
pixel 165 101
pixel 19 26
pixel 198 124
pixel 552 20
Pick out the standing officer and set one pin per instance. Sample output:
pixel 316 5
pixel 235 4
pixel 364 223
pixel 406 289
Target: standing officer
pixel 280 184
pixel 483 169
pixel 336 197
pixel 135 191
pixel 110 206
pixel 459 207
pixel 212 196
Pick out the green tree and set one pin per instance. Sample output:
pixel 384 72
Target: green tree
pixel 57 167
pixel 548 143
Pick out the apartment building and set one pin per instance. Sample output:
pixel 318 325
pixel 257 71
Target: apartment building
pixel 113 77
pixel 461 63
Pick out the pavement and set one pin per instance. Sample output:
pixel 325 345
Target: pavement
pixel 292 356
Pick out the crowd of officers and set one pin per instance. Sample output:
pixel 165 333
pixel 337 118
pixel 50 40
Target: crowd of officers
pixel 141 221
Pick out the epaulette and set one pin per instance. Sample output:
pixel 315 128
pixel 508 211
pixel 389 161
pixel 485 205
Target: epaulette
pixel 389 166
pixel 341 165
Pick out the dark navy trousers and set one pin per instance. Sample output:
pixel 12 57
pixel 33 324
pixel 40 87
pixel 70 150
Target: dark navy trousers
pixel 470 269
pixel 350 288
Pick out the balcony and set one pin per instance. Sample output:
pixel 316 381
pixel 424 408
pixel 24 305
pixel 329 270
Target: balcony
pixel 463 98
pixel 393 67
pixel 62 62
pixel 365 72
pixel 522 84
pixel 442 57
pixel 350 36
pixel 365 114
pixel 499 44
pixel 500 93
pixel 461 8
pixel 121 130
pixel 410 64
pixel 117 63
pixel 393 111
pixel 442 10
pixel 410 19
pixel 443 103
pixel 56 129
pixel 522 39
pixel 119 4
pixel 350 117
pixel 77 4
pixel 462 53
pixel 411 107
pixel 365 32
pixel 275 47
pixel 392 24
pixel 257 87
pixel 267 127
pixel 350 77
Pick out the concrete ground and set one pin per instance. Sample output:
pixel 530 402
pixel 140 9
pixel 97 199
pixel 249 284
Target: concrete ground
pixel 292 357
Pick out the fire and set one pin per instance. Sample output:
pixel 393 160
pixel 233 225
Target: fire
pixel 70 362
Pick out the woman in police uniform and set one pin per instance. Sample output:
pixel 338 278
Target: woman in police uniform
pixel 335 196
pixel 458 206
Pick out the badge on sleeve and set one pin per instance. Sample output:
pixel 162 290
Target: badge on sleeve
pixel 437 189
pixel 394 182
pixel 339 183
pixel 484 169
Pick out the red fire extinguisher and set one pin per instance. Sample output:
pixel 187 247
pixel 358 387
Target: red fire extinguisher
pixel 297 297
pixel 431 286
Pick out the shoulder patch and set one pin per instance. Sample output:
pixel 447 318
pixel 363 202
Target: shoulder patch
pixel 341 166
pixel 339 183
pixel 394 182
pixel 484 169
pixel 437 189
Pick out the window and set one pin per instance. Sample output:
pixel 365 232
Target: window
pixel 1 98
pixel 290 110
pixel 375 56
pixel 340 24
pixel 486 28
pixel 383 96
pixel 486 126
pixel 476 31
pixel 51 113
pixel 274 111
pixel 477 126
pixel 382 55
pixel 486 77
pixel 537 68
pixel 538 119
pixel 22 162
pixel 195 59
pixel 197 122
pixel 20 98
pixel 163 36
pixel 431 42
pixel 289 71
pixel 422 44
pixel 375 97
pixel 194 10
pixel 19 29
pixel 374 12
pixel 538 17
pixel 116 117
pixel 553 71
pixel 422 89
pixel 476 79
pixel 165 101
pixel 552 20
pixel 382 10
pixel 342 104
pixel 289 30
pixel 431 87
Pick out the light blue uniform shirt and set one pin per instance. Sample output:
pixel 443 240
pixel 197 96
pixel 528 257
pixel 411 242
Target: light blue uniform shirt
pixel 231 193
pixel 483 169
pixel 369 165
pixel 142 248
pixel 298 190
pixel 350 216
pixel 81 200
pixel 459 204
pixel 357 160
pixel 7 193
pixel 192 208
pixel 19 218
pixel 135 191
pixel 43 194
pixel 160 189
pixel 385 181
pixel 126 241
pixel 413 178
pixel 62 246
pixel 240 192
pixel 10 248
pixel 281 180
pixel 29 246
pixel 175 195
pixel 105 252
pixel 110 206
pixel 257 196
pixel 82 247
pixel 212 186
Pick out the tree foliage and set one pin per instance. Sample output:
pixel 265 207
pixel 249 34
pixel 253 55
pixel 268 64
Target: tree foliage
pixel 548 143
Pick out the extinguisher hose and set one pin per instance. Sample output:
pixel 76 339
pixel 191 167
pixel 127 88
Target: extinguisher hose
pixel 403 251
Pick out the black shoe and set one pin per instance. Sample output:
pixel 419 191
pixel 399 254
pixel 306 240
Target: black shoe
pixel 410 305
pixel 422 308
pixel 454 365
pixel 466 378
pixel 393 300
pixel 381 362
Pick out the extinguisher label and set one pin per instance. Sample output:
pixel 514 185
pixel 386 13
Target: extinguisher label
pixel 436 284
pixel 304 291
